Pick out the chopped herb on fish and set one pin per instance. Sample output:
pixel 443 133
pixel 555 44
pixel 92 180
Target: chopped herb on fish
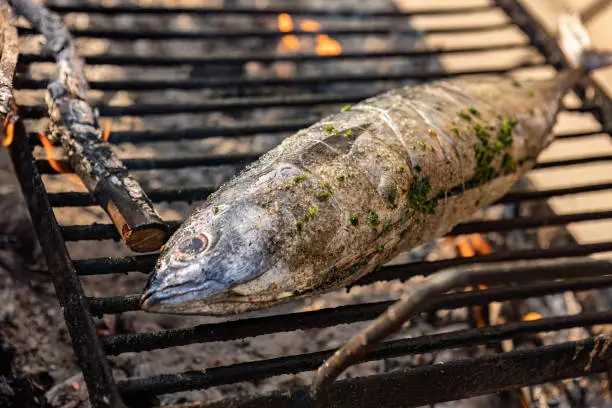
pixel 392 195
pixel 216 209
pixel 373 219
pixel 474 112
pixel 418 194
pixel 354 220
pixel 464 116
pixel 349 133
pixel 299 178
pixel 346 108
pixel 331 130
pixel 323 195
pixel 516 83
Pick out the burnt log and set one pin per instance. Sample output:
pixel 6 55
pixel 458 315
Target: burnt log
pixel 74 125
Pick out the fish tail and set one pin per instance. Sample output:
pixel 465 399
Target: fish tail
pixel 576 45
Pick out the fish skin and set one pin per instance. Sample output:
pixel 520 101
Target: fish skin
pixel 268 244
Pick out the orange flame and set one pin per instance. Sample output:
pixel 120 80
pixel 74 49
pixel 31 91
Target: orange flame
pixel 55 165
pixel 325 45
pixel 107 129
pixel 9 125
pixel 9 132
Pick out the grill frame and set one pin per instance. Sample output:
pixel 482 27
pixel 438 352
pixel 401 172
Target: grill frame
pixel 398 386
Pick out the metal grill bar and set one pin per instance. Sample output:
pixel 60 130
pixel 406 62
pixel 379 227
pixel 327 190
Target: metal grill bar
pixel 155 60
pixel 265 33
pixel 443 382
pixel 35 112
pixel 309 320
pixel 73 198
pixel 126 9
pixel 242 159
pixel 248 129
pixel 107 231
pixel 98 377
pixel 145 263
pixel 258 370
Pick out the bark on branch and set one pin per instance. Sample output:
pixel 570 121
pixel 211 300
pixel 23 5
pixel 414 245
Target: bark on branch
pixel 8 61
pixel 74 126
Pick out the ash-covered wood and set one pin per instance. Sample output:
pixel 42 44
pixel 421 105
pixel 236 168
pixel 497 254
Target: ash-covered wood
pixel 75 127
pixel 8 61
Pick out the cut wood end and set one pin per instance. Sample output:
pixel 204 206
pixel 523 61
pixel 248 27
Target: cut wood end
pixel 145 236
pixel 146 239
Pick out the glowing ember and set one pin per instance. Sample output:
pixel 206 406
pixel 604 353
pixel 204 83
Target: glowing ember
pixel 327 45
pixel 285 23
pixel 531 316
pixel 291 42
pixel 310 25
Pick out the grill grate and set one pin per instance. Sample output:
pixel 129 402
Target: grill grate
pixel 419 386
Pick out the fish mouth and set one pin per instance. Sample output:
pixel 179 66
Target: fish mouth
pixel 212 299
pixel 179 297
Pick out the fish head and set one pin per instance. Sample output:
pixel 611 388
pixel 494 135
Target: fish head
pixel 217 250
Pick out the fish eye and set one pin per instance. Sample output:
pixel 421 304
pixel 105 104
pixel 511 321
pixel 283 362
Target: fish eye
pixel 190 247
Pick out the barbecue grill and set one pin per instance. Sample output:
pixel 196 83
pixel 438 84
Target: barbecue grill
pixel 413 387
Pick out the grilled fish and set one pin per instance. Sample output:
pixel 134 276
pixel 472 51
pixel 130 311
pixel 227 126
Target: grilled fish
pixel 336 200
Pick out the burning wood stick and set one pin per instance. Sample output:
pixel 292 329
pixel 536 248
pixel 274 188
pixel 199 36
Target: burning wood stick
pixel 8 61
pixel 75 126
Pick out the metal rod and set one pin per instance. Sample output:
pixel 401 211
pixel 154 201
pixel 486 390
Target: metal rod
pixel 341 315
pixel 274 34
pixel 158 60
pixel 145 263
pixel 80 199
pixel 252 11
pixel 420 297
pixel 245 129
pixel 102 389
pixel 33 112
pixel 99 232
pixel 240 160
pixel 258 370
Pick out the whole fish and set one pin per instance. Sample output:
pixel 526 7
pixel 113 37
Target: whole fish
pixel 336 200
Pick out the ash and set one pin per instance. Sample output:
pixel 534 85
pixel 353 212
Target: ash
pixel 31 319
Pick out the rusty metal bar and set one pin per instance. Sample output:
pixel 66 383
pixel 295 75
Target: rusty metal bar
pixel 97 374
pixel 107 231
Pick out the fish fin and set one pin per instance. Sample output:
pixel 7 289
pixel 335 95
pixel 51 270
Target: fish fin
pixel 576 45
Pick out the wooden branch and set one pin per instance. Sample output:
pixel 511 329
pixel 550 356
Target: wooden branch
pixel 8 61
pixel 74 126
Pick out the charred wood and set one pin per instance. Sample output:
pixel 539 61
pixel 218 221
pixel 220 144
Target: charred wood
pixel 74 126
